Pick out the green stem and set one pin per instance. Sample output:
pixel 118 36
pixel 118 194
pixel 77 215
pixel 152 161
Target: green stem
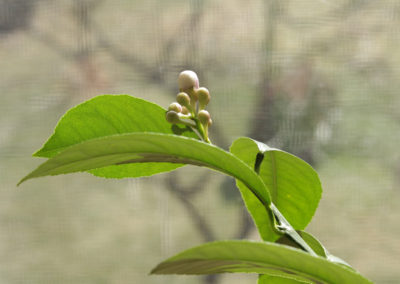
pixel 202 131
pixel 187 120
pixel 197 133
pixel 285 228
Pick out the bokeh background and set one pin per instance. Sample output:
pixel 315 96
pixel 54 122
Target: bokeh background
pixel 317 78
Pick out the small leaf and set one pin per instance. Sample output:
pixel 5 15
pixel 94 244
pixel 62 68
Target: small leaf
pixel 316 245
pixel 294 185
pixel 263 258
pixel 108 115
pixel 150 147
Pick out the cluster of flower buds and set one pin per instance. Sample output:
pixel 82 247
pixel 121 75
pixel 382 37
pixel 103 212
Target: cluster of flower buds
pixel 189 108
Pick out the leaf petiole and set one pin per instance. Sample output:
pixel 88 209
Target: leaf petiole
pixel 284 227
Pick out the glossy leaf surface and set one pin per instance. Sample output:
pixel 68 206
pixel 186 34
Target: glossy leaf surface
pixel 263 258
pixel 294 185
pixel 109 115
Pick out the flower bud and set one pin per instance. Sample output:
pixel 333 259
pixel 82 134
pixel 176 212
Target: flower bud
pixel 185 110
pixel 204 117
pixel 175 107
pixel 187 80
pixel 193 96
pixel 183 99
pixel 204 97
pixel 172 117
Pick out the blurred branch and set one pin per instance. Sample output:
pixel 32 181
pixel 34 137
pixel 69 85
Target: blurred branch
pixel 155 74
pixel 184 194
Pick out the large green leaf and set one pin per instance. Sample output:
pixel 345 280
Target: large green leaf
pixel 294 185
pixel 108 115
pixel 264 258
pixel 150 147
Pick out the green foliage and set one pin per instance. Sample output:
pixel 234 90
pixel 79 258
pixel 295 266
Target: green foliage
pixel 149 147
pixel 109 115
pixel 263 258
pixel 117 136
pixel 260 214
pixel 317 247
pixel 294 185
pixel 269 279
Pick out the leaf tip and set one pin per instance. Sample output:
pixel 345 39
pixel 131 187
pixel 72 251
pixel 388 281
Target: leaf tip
pixel 21 181
pixel 164 268
pixel 37 153
pixel 154 271
pixel 25 178
pixel 41 153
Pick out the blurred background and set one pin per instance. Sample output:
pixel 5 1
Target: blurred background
pixel 317 78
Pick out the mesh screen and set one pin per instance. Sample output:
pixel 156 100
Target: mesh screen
pixel 317 78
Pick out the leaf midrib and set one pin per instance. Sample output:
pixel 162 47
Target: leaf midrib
pixel 236 264
pixel 162 144
pixel 274 177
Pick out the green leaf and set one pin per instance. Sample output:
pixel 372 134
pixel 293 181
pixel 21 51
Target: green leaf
pixel 268 279
pixel 263 258
pixel 294 185
pixel 108 115
pixel 262 217
pixel 316 246
pixel 150 147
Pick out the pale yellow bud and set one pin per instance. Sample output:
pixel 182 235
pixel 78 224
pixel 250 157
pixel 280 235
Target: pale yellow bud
pixel 185 110
pixel 204 117
pixel 183 99
pixel 203 96
pixel 172 117
pixel 175 107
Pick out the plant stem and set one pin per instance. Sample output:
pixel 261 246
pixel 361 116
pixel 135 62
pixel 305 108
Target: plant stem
pixel 285 228
pixel 202 131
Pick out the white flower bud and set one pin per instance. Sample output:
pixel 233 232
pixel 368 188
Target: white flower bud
pixel 188 80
